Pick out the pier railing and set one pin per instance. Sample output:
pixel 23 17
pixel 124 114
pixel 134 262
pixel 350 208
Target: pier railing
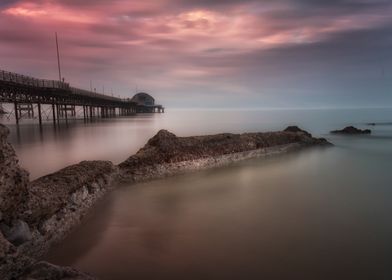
pixel 19 79
pixel 30 81
pixel 78 91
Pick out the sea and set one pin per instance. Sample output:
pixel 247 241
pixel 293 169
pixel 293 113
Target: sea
pixel 320 213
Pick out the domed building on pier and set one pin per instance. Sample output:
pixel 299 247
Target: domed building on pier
pixel 143 99
pixel 146 103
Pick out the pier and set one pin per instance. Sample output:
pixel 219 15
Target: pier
pixel 28 94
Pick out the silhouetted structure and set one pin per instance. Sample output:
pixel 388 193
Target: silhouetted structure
pixel 146 103
pixel 24 92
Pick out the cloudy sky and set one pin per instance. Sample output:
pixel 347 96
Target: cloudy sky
pixel 206 53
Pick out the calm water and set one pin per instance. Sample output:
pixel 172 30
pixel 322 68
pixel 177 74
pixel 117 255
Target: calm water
pixel 316 214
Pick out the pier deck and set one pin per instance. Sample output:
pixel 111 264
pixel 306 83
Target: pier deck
pixel 24 91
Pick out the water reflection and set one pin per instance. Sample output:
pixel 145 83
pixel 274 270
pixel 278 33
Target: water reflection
pixel 52 147
pixel 48 148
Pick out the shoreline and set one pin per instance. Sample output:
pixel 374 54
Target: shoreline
pixel 55 204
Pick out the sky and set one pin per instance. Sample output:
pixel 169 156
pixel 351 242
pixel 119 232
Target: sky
pixel 211 54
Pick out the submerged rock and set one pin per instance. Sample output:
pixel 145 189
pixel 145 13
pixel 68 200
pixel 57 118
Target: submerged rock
pixel 351 130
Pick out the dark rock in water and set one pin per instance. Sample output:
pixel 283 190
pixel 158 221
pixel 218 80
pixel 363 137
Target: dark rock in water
pixel 18 233
pixel 372 124
pixel 45 271
pixel 350 130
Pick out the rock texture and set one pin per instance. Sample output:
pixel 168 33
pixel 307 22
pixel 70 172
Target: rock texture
pixel 12 262
pixel 35 215
pixel 58 202
pixel 351 130
pixel 13 180
pixel 71 185
pixel 46 271
pixel 166 154
pixel 13 198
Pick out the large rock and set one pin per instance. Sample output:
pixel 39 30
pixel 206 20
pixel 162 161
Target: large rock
pixel 13 180
pixel 35 215
pixel 166 150
pixel 351 130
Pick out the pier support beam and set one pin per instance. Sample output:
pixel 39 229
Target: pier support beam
pixel 54 113
pixel 39 114
pixel 66 113
pixel 16 113
pixel 58 113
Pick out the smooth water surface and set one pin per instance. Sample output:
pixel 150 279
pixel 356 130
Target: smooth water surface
pixel 315 214
pixel 46 150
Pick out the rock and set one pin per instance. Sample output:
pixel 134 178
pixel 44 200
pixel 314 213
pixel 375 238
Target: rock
pixel 35 215
pixel 12 263
pixel 165 148
pixel 350 130
pixel 5 246
pixel 13 180
pixel 71 185
pixel 297 129
pixel 46 271
pixel 25 206
pixel 18 233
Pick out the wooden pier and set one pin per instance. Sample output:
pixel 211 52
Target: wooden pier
pixel 26 93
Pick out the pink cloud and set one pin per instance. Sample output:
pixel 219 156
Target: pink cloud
pixel 168 44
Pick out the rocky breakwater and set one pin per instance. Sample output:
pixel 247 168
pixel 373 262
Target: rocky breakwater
pixel 166 154
pixel 35 215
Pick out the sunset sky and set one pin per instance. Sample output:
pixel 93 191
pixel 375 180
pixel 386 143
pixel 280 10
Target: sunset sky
pixel 189 53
